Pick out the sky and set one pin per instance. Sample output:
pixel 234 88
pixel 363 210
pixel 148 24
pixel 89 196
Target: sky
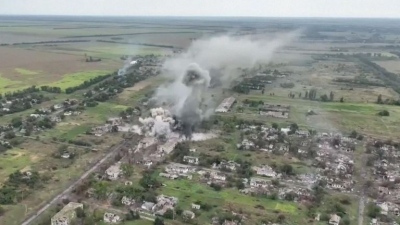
pixel 229 8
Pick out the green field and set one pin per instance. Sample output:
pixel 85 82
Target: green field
pixel 12 160
pixel 75 79
pixel 189 192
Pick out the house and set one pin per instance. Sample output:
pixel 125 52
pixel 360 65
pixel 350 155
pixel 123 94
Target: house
pixel 265 170
pixel 128 183
pixel 334 220
pixel 111 218
pixel 195 206
pixel 66 215
pixel 114 171
pixel 225 105
pixel 179 168
pixel 217 176
pixel 188 214
pixel 374 221
pixel 164 203
pixel 230 165
pixel 191 160
pixel 148 206
pixel 168 175
pixel 127 201
pixel 258 183
pixel 168 147
pixel 114 121
pixel 384 208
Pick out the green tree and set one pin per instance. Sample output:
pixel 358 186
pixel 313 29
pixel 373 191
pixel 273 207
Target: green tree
pixel 127 170
pixel 158 221
pixel 379 100
pixel 169 214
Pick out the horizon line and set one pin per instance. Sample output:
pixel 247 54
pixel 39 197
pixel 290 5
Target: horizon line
pixel 177 16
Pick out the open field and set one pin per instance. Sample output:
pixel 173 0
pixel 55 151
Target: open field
pixel 390 65
pixel 24 68
pixel 256 208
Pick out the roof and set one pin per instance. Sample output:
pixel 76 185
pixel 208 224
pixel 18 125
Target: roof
pixel 225 104
pixel 68 209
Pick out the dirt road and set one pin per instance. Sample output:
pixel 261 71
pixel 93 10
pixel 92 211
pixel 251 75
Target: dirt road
pixel 73 185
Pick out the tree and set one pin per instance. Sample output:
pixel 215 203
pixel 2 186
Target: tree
pixel 216 187
pixel 331 96
pixel 353 134
pixel 384 113
pixel 169 214
pixel 275 126
pixel 324 98
pixel 80 213
pixel 127 170
pixel 158 221
pixel 342 99
pixel 287 169
pixel 9 135
pixel 379 100
pixel 373 210
pixel 281 218
pixel 16 122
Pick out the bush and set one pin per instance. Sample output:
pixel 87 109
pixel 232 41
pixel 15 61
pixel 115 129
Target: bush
pixel 384 113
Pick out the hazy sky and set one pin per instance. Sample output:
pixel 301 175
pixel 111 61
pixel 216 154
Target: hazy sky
pixel 257 8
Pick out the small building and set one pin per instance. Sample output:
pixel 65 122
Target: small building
pixel 334 220
pixel 111 218
pixel 196 206
pixel 384 208
pixel 67 214
pixel 191 160
pixel 127 201
pixel 148 206
pixel 265 170
pixel 225 105
pixel 114 171
pixel 258 182
pixel 188 214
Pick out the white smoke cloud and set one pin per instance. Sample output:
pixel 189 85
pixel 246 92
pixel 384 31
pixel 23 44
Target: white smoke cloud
pixel 224 54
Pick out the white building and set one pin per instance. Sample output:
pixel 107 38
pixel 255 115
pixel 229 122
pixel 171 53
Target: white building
pixel 225 105
pixel 191 160
pixel 66 215
pixel 111 218
pixel 265 171
pixel 114 171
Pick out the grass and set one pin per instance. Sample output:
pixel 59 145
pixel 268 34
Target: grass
pixel 75 79
pixel 333 116
pixel 188 192
pixel 104 110
pixel 13 160
pixel 7 85
pixel 26 72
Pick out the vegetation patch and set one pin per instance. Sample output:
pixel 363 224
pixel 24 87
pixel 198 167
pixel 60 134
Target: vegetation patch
pixel 26 72
pixel 75 79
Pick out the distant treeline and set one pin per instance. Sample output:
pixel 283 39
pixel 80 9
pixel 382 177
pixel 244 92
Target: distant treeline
pixel 128 34
pixel 359 82
pixel 88 83
pixel 142 44
pixel 44 42
pixel 390 79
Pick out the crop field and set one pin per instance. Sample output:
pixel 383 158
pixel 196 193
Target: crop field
pixel 390 65
pixel 26 68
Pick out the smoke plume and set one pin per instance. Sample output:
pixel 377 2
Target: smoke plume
pixel 187 96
